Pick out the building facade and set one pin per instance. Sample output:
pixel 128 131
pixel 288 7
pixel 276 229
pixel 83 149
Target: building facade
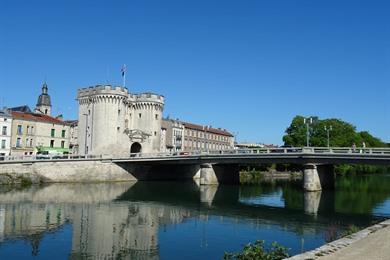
pixel 116 122
pixel 38 130
pixel 5 134
pixel 73 135
pixel 205 138
pixel 32 132
pixel 174 135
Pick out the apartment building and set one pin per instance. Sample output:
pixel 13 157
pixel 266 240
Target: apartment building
pixel 206 138
pixel 5 133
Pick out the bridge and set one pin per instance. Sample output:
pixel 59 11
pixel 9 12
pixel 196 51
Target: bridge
pixel 212 168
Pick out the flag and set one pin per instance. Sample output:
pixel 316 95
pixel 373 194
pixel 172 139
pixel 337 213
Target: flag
pixel 123 70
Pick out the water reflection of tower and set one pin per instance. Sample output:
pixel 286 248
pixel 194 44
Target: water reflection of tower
pixel 115 230
pixel 121 230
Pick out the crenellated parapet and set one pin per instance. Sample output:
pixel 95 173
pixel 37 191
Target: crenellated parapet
pixel 102 98
pixel 149 97
pixel 102 93
pixel 147 102
pixel 114 94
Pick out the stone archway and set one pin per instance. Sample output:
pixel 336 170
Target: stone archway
pixel 136 148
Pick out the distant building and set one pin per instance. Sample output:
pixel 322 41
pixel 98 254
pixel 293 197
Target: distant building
pixel 174 135
pixel 5 134
pixel 24 109
pixel 206 138
pixel 73 134
pixel 116 122
pixel 32 132
pixel 38 131
pixel 249 145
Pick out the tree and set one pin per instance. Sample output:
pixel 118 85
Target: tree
pixel 343 134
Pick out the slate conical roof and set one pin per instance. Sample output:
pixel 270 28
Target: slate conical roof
pixel 44 98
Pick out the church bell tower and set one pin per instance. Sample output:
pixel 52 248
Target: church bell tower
pixel 44 103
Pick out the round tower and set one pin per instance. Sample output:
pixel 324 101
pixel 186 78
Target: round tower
pixel 145 112
pixel 102 110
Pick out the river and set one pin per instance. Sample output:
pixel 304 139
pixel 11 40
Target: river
pixel 180 220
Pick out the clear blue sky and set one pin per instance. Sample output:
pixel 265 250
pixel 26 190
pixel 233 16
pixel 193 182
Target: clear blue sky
pixel 247 65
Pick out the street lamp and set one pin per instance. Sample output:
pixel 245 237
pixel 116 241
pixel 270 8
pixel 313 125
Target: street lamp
pixel 328 129
pixel 235 142
pixel 86 134
pixel 308 121
pixel 205 139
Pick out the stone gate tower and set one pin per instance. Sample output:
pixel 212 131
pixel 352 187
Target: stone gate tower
pixel 116 122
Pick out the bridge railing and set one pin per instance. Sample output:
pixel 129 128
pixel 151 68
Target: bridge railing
pixel 254 151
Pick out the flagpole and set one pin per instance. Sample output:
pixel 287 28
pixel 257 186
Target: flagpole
pixel 124 75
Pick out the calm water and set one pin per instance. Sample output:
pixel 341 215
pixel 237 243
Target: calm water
pixel 171 220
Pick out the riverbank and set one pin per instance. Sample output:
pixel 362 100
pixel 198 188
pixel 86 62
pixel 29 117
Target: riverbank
pixel 254 176
pixel 369 243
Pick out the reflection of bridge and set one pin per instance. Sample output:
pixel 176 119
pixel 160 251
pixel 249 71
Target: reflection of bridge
pixel 211 168
pixel 229 201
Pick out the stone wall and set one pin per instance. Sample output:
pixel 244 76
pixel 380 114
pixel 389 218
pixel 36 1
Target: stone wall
pixel 61 171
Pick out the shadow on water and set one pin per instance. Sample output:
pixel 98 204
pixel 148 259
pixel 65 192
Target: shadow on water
pixel 125 220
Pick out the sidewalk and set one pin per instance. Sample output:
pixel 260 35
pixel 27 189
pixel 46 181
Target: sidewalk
pixel 372 243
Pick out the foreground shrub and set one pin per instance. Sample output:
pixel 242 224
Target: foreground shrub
pixel 256 251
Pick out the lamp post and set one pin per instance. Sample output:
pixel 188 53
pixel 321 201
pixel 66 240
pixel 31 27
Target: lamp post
pixel 86 134
pixel 235 138
pixel 328 129
pixel 308 121
pixel 205 138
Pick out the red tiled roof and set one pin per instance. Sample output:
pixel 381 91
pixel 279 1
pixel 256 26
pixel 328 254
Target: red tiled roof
pixel 208 129
pixel 36 117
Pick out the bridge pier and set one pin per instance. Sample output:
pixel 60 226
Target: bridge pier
pixel 207 175
pixel 318 177
pixel 214 174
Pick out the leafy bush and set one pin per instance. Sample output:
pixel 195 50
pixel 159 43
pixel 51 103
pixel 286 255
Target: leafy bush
pixel 256 251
